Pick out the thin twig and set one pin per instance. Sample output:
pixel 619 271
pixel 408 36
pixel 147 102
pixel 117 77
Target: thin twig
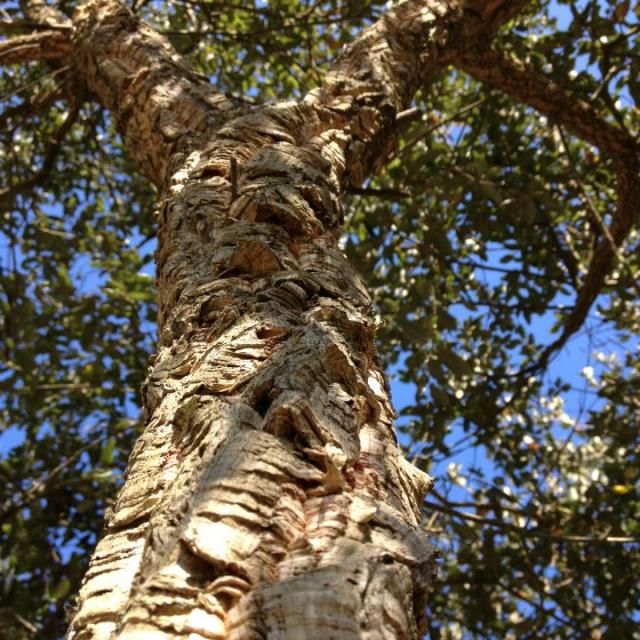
pixel 39 487
pixel 387 194
pixel 532 533
pixel 8 195
pixel 421 135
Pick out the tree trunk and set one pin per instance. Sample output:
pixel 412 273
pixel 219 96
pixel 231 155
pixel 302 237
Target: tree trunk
pixel 267 496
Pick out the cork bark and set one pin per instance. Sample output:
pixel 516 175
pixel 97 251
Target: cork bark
pixel 267 496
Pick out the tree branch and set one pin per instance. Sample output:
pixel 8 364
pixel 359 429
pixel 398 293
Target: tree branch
pixel 530 533
pixel 40 12
pixel 30 25
pixel 385 194
pixel 28 108
pixel 527 85
pixel 524 83
pixel 160 104
pixel 422 135
pixel 8 194
pixel 43 45
pixel 377 75
pixel 45 482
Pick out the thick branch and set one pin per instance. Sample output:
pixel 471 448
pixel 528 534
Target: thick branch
pixel 525 84
pixel 43 45
pixel 159 103
pixel 40 12
pixel 30 25
pixel 624 218
pixel 378 74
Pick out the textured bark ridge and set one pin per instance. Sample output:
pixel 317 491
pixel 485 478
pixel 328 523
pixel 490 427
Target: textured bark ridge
pixel 162 106
pixel 267 496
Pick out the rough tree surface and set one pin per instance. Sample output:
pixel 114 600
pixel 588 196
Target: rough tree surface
pixel 267 496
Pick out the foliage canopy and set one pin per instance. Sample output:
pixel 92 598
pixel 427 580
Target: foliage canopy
pixel 476 240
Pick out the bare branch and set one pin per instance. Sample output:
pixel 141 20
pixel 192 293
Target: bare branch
pixel 28 108
pixel 45 482
pixel 29 626
pixel 528 532
pixel 30 25
pixel 377 75
pixel 42 45
pixel 40 12
pixel 385 194
pixel 624 218
pixel 524 83
pixel 160 104
pixel 29 85
pixel 421 135
pixel 408 115
pixel 8 194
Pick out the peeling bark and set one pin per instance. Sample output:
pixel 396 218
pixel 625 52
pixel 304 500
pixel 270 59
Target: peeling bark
pixel 267 496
